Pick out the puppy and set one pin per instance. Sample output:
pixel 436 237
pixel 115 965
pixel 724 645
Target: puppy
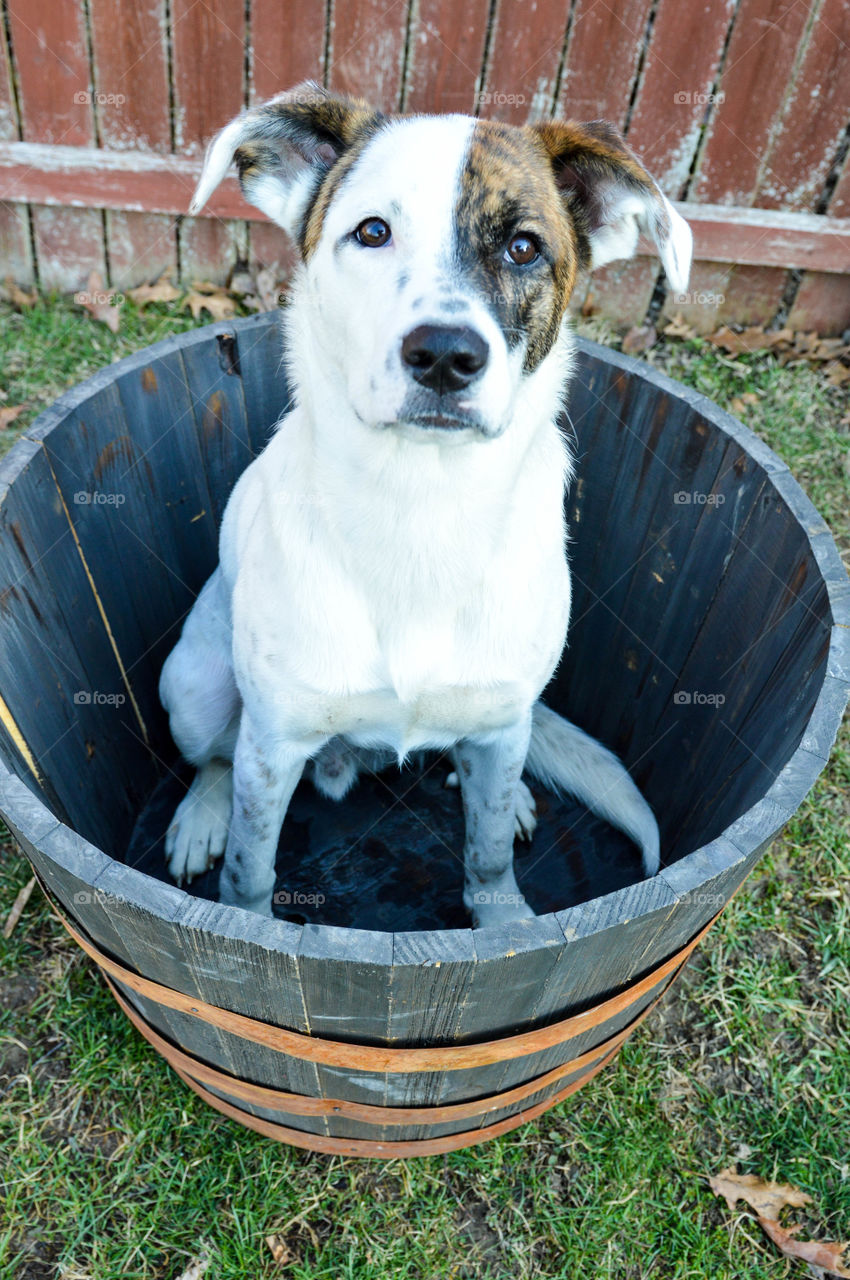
pixel 392 570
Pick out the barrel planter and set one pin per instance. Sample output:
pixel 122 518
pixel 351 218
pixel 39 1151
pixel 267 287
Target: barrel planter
pixel 708 647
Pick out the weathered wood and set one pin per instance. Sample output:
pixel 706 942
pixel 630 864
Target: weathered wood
pixel 487 1026
pixel 367 43
pixel 675 88
pixel 522 71
pixel 207 81
pixel 55 94
pixel 444 61
pixel 131 103
pixel 601 60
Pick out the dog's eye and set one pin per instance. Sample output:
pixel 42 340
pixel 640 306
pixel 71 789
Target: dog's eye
pixel 374 232
pixel 522 250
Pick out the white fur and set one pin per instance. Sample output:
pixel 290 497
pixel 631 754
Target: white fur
pixel 391 585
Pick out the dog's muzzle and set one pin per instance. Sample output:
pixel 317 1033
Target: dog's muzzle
pixel 444 358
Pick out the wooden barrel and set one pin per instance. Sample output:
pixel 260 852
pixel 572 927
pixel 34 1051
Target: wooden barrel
pixel 709 648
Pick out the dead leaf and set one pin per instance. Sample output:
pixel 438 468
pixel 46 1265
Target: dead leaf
pixel 827 1254
pixel 17 908
pixel 9 414
pixel 639 338
pixel 196 1268
pixel 679 328
pixel 837 374
pixel 98 302
pixel 219 304
pixel 279 1250
pixel 752 339
pixel 162 291
pixel 16 295
pixel 767 1198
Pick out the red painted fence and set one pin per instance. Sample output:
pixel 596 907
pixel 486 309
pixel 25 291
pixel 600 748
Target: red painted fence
pixel 738 107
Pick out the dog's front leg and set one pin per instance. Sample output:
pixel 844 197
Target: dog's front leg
pixel 489 768
pixel 265 774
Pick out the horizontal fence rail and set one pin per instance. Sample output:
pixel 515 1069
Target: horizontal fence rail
pixel 738 107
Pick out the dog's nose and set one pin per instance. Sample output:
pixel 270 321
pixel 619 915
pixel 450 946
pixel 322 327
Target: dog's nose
pixel 444 357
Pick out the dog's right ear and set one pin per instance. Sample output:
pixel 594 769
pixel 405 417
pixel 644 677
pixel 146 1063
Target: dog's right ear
pixel 283 149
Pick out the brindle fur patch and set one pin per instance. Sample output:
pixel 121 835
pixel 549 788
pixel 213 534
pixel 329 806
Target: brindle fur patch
pixel 507 186
pixel 328 132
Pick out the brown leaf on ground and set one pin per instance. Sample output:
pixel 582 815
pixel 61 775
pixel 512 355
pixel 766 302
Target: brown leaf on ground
pixel 219 304
pixel 97 300
pixel 752 339
pixel 17 296
pixel 9 414
pixel 767 1198
pixel 279 1250
pixel 679 328
pixel 639 338
pixel 827 1254
pixel 162 291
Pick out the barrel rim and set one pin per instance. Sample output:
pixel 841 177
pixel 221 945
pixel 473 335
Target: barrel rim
pixel 750 833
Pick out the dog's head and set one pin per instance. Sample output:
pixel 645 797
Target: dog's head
pixel 439 252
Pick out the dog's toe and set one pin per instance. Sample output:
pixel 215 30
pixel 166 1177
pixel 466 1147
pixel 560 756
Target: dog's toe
pixel 198 833
pixel 526 813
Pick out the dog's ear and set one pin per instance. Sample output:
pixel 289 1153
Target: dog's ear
pixel 284 147
pixel 612 198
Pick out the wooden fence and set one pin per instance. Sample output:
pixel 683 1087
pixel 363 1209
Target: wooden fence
pixel 738 107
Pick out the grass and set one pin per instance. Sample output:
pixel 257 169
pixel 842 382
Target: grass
pixel 112 1168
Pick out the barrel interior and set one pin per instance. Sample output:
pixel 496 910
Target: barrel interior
pixel 697 647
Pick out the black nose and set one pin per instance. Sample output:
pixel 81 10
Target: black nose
pixel 444 357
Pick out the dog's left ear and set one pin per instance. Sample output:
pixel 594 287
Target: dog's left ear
pixel 284 147
pixel 612 197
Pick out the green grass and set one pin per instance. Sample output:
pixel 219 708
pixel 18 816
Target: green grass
pixel 113 1169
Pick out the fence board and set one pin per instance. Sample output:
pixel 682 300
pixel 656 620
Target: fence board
pixel 367 50
pixel 208 74
pixel 678 75
pixel 446 53
pixel 54 85
pixel 762 51
pixel 823 303
pixel 131 106
pixel 15 247
pixel 602 59
pixel 281 54
pixel 525 53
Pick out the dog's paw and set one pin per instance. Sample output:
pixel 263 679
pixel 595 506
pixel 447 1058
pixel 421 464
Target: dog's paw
pixel 198 832
pixel 526 813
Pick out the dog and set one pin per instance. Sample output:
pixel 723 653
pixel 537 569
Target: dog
pixel 393 573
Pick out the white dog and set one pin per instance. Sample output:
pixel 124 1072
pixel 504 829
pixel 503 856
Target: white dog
pixel 393 572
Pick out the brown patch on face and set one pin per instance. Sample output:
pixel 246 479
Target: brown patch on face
pixel 508 187
pixel 308 127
